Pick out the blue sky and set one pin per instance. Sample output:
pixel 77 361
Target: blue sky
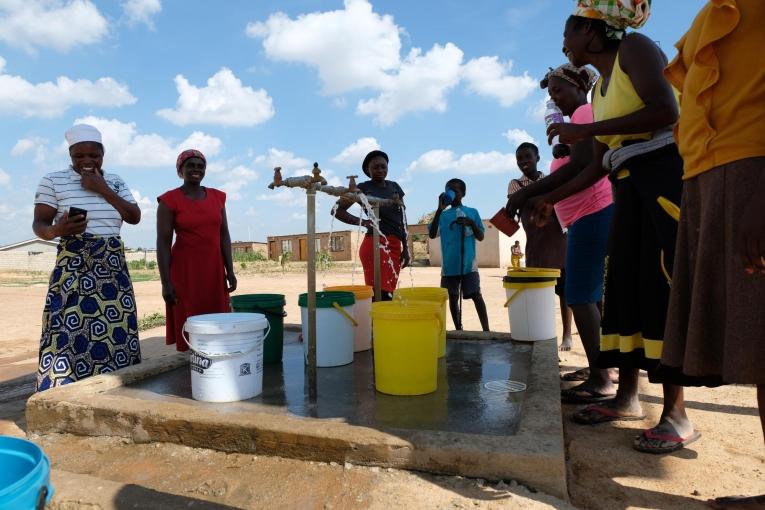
pixel 447 88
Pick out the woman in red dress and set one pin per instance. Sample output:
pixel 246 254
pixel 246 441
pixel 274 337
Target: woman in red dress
pixel 198 272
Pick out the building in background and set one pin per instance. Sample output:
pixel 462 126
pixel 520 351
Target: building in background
pixel 249 247
pixel 343 245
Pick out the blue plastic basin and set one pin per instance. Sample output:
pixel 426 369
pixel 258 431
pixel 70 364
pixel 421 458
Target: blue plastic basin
pixel 24 475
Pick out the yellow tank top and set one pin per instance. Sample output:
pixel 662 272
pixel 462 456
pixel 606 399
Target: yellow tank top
pixel 620 99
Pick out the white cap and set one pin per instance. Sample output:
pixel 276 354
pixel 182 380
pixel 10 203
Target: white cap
pixel 82 133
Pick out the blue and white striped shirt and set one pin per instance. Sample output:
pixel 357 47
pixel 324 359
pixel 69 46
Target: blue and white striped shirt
pixel 62 190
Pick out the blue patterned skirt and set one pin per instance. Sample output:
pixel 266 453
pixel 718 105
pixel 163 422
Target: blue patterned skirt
pixel 89 324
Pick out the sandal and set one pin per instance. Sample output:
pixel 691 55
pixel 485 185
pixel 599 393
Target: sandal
pixel 663 438
pixel 577 375
pixel 602 413
pixel 579 395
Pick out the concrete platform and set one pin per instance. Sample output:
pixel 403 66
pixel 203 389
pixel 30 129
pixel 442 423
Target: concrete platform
pixel 466 427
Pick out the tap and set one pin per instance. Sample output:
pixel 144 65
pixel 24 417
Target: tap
pixel 317 178
pixel 352 187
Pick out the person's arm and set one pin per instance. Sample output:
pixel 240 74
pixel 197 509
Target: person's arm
pixel 225 248
pixel 342 214
pixel 581 156
pixel 406 257
pixel 94 181
pixel 44 228
pixel 477 226
pixel 165 220
pixel 644 63
pixel 433 228
pixel 594 171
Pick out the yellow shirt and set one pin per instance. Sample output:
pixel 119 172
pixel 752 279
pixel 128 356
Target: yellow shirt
pixel 720 70
pixel 620 99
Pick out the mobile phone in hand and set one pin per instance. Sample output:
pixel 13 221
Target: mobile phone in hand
pixel 76 211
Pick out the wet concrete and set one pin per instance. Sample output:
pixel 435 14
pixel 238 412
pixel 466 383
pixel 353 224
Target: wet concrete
pixel 464 428
pixel 462 403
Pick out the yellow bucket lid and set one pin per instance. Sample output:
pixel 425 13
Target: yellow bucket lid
pixel 360 291
pixel 405 309
pixel 422 293
pixel 533 272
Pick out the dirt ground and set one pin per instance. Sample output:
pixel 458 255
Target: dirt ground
pixel 604 472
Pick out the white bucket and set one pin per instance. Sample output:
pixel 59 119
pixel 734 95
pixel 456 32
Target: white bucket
pixel 531 303
pixel 334 334
pixel 362 312
pixel 226 355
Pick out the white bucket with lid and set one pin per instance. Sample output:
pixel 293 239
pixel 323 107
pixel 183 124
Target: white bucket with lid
pixel 531 302
pixel 226 355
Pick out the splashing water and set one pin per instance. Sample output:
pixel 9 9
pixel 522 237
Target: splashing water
pixel 367 208
pixel 406 236
pixel 355 257
pixel 329 245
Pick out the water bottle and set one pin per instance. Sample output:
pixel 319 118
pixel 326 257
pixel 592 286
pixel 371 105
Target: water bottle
pixel 553 115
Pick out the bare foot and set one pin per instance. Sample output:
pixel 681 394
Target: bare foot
pixel 565 344
pixel 738 503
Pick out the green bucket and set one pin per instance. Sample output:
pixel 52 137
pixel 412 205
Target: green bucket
pixel 272 306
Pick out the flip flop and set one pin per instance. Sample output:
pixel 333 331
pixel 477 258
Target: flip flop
pixel 577 375
pixel 654 441
pixel 602 413
pixel 582 375
pixel 579 395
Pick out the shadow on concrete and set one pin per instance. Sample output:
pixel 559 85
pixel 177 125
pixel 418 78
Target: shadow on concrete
pixel 13 400
pixel 135 497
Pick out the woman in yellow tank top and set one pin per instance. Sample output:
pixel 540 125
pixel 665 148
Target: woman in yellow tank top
pixel 634 109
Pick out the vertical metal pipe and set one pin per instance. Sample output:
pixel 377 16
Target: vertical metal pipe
pixel 311 224
pixel 376 259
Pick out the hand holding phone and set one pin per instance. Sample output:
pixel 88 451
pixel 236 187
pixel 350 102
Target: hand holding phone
pixel 74 222
pixel 76 211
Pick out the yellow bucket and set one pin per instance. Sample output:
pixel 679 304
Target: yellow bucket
pixel 362 334
pixel 406 347
pixel 531 302
pixel 436 295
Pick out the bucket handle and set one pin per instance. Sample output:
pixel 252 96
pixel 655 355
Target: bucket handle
pixel 511 298
pixel 441 324
pixel 220 356
pixel 347 315
pixel 42 495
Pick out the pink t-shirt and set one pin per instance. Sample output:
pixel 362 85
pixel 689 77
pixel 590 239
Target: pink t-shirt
pixel 590 200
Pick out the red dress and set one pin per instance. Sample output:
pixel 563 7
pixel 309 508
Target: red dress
pixel 196 260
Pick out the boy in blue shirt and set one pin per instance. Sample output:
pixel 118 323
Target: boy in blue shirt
pixel 459 226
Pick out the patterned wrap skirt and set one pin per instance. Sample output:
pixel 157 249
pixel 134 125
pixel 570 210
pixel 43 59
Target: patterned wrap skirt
pixel 89 324
pixel 641 253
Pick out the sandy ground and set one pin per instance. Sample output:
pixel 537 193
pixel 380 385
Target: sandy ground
pixel 604 472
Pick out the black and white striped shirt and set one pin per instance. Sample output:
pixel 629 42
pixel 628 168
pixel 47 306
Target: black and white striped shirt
pixel 62 190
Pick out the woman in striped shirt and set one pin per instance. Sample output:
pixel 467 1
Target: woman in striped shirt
pixel 90 324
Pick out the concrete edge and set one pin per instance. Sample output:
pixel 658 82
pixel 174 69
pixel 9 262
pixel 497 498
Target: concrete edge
pixel 535 456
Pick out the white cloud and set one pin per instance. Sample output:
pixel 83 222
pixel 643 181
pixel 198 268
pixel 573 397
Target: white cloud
pixel 25 145
pixel 487 76
pixel 536 112
pixel 141 11
pixel 286 197
pixel 48 99
pixel 236 179
pixel 420 85
pixel 518 136
pixel 251 212
pixel 224 101
pixel 291 164
pixel 351 48
pixel 358 49
pixel 474 163
pixel 355 152
pixel 57 24
pixel 5 179
pixel 125 146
